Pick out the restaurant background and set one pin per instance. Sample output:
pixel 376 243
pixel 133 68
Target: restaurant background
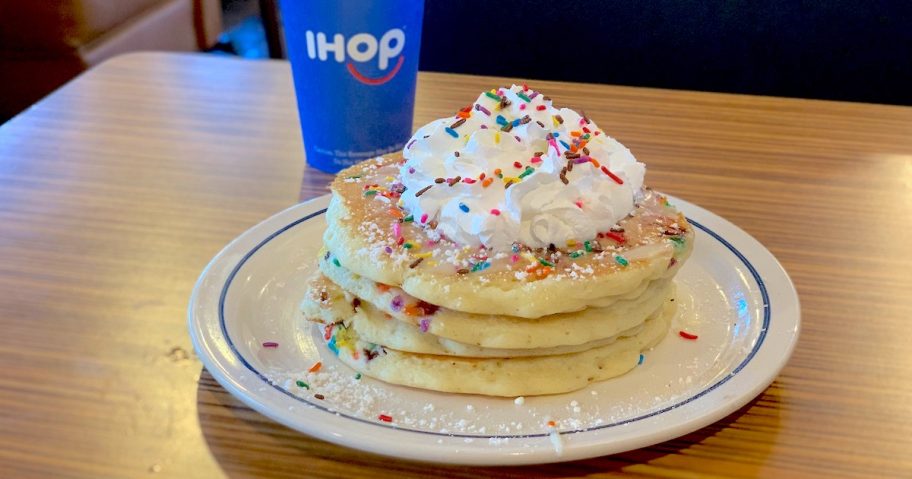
pixel 838 50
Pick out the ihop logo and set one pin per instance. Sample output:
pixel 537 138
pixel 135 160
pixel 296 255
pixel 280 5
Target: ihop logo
pixel 362 48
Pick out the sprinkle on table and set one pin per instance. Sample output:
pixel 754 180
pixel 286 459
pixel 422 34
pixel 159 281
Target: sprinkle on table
pixel 385 418
pixel 358 376
pixel 320 396
pixel 316 367
pixel 270 344
pixel 642 358
pixel 302 384
pixel 686 335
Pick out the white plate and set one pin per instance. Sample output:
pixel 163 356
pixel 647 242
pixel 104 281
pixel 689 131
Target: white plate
pixel 733 294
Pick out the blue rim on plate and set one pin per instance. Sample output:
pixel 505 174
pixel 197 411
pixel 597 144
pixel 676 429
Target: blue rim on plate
pixel 762 335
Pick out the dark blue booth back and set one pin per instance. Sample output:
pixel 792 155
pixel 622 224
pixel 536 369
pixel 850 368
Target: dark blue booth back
pixel 844 50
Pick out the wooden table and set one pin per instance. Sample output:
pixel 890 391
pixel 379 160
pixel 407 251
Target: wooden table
pixel 117 190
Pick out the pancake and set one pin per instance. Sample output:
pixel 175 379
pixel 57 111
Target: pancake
pixel 375 327
pixel 482 330
pixel 509 249
pixel 517 376
pixel 366 236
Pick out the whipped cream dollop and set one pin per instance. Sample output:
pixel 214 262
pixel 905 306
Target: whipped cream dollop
pixel 513 168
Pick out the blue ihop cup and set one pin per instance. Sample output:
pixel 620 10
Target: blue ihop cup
pixel 354 64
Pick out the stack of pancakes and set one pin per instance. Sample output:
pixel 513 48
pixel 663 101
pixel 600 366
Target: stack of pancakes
pixel 396 303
